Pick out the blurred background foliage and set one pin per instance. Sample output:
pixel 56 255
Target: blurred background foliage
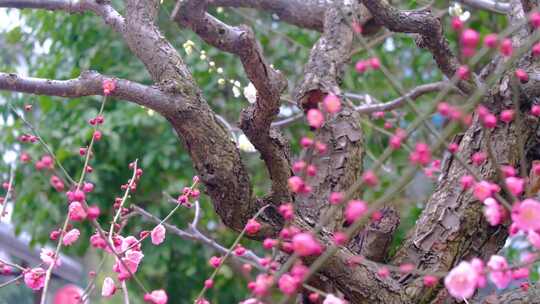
pixel 60 46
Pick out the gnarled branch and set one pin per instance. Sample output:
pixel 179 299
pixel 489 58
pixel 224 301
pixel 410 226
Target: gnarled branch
pixel 429 28
pixel 257 118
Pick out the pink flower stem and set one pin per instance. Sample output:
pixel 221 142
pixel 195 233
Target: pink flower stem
pixel 43 143
pixel 226 256
pixel 195 219
pixel 66 221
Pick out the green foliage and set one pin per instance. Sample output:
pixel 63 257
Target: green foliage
pixel 57 45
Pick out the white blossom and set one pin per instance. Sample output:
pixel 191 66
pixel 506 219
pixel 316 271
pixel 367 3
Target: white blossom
pixel 250 93
pixel 332 299
pixel 236 92
pixel 457 11
pixel 245 145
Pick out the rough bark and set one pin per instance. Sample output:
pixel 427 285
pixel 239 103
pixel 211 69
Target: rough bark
pixel 341 166
pixel 256 119
pixel 452 226
pixel 303 13
pixel 87 84
pixel 214 154
pixel 430 32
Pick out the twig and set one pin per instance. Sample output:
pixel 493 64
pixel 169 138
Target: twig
pixel 42 142
pixel 8 191
pixel 195 235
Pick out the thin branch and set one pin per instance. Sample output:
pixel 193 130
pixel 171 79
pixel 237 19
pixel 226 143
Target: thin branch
pixel 429 28
pixel 489 5
pixel 9 191
pixel 398 102
pixel 42 142
pixel 193 234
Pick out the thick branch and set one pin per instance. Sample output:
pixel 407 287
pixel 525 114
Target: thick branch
pixel 107 12
pixel 256 119
pixel 214 154
pixel 342 164
pixel 429 28
pixel 452 226
pixel 400 101
pixel 89 83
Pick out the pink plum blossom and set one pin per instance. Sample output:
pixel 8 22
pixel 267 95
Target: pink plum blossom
pixel 304 244
pixel 108 288
pixel 71 237
pixel 158 234
pixel 76 211
pixel 315 118
pixel 47 256
pixel 354 210
pixel 499 273
pixel 35 278
pixel 526 215
pixel 156 297
pixel 461 281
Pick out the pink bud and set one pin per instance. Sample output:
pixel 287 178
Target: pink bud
pixel 463 72
pixel 331 103
pixel 522 75
pixel 97 135
pixel 340 238
pixel 489 121
pixel 370 179
pixel 443 108
pixel 469 38
pixel 287 211
pixel 507 116
pixel 311 170
pixel 215 261
pixel 299 166
pixel 383 272
pixel 315 118
pixel 536 49
pixel 457 24
pixel 354 210
pixel 466 181
pixel 208 284
pixel 304 244
pixel 93 212
pixel 516 185
pixel 269 243
pixel 375 63
pixel 430 281
pixel 88 187
pixel 361 66
pixel 506 47
pixel 478 158
pixel 534 19
pixel 453 147
pixel 490 40
pixel 296 184
pixel 336 198
pixel 252 227
pixel 108 86
pixel 535 110
pixel 306 142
